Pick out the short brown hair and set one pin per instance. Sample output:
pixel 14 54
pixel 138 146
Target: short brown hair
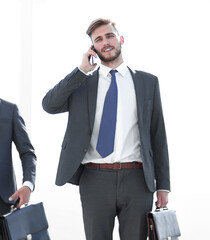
pixel 97 23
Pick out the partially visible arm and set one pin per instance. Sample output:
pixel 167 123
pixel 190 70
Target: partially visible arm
pixel 24 147
pixel 57 99
pixel 159 143
pixel 27 156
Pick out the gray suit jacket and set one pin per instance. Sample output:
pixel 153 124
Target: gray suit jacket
pixel 12 129
pixel 77 94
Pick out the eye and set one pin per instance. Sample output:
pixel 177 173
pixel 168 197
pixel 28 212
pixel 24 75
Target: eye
pixel 97 39
pixel 110 35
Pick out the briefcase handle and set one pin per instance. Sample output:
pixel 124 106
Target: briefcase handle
pixel 159 209
pixel 14 208
pixel 16 203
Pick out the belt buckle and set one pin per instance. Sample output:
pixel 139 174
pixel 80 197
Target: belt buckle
pixel 117 166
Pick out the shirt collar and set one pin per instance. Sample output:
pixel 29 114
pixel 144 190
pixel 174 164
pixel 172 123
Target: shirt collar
pixel 104 70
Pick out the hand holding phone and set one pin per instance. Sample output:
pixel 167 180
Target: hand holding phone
pixel 88 64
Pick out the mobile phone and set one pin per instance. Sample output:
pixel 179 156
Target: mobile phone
pixel 91 58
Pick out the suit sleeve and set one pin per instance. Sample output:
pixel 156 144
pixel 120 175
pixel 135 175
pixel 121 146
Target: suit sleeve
pixel 57 99
pixel 24 147
pixel 159 143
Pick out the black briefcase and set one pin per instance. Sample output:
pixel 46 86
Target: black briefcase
pixel 29 222
pixel 163 225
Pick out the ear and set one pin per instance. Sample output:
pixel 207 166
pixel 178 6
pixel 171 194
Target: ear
pixel 122 39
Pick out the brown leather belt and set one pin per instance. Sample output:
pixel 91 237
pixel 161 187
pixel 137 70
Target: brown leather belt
pixel 116 166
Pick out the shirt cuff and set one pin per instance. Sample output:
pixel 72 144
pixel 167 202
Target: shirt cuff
pixel 29 184
pixel 163 190
pixel 83 71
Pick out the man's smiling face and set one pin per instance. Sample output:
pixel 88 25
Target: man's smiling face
pixel 107 43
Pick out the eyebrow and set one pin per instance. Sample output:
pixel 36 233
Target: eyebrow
pixel 107 34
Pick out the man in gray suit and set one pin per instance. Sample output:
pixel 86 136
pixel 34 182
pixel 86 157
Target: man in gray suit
pixel 115 145
pixel 12 129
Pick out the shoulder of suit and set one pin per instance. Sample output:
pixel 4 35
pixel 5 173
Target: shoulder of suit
pixel 142 73
pixel 7 103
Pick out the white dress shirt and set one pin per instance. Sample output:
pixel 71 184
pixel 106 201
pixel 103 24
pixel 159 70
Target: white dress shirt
pixel 127 140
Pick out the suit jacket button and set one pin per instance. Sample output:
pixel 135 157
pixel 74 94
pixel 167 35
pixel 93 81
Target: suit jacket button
pixel 85 149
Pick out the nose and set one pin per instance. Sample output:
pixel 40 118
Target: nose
pixel 106 41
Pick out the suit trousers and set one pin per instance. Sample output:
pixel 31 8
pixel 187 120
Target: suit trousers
pixel 108 193
pixel 4 208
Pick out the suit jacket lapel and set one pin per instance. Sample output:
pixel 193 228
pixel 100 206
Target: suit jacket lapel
pixel 92 88
pixel 139 89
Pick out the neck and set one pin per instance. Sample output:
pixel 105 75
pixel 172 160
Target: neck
pixel 113 64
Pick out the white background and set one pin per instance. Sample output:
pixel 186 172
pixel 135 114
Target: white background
pixel 42 41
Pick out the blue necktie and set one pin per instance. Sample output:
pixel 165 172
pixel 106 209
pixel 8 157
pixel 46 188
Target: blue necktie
pixel 105 144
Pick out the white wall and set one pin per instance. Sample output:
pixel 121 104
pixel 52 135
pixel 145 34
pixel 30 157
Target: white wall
pixel 167 38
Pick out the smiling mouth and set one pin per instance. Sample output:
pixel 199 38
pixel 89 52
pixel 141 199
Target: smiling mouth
pixel 108 49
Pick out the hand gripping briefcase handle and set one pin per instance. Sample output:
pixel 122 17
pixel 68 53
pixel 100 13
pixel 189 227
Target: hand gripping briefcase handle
pixel 162 224
pixel 29 222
